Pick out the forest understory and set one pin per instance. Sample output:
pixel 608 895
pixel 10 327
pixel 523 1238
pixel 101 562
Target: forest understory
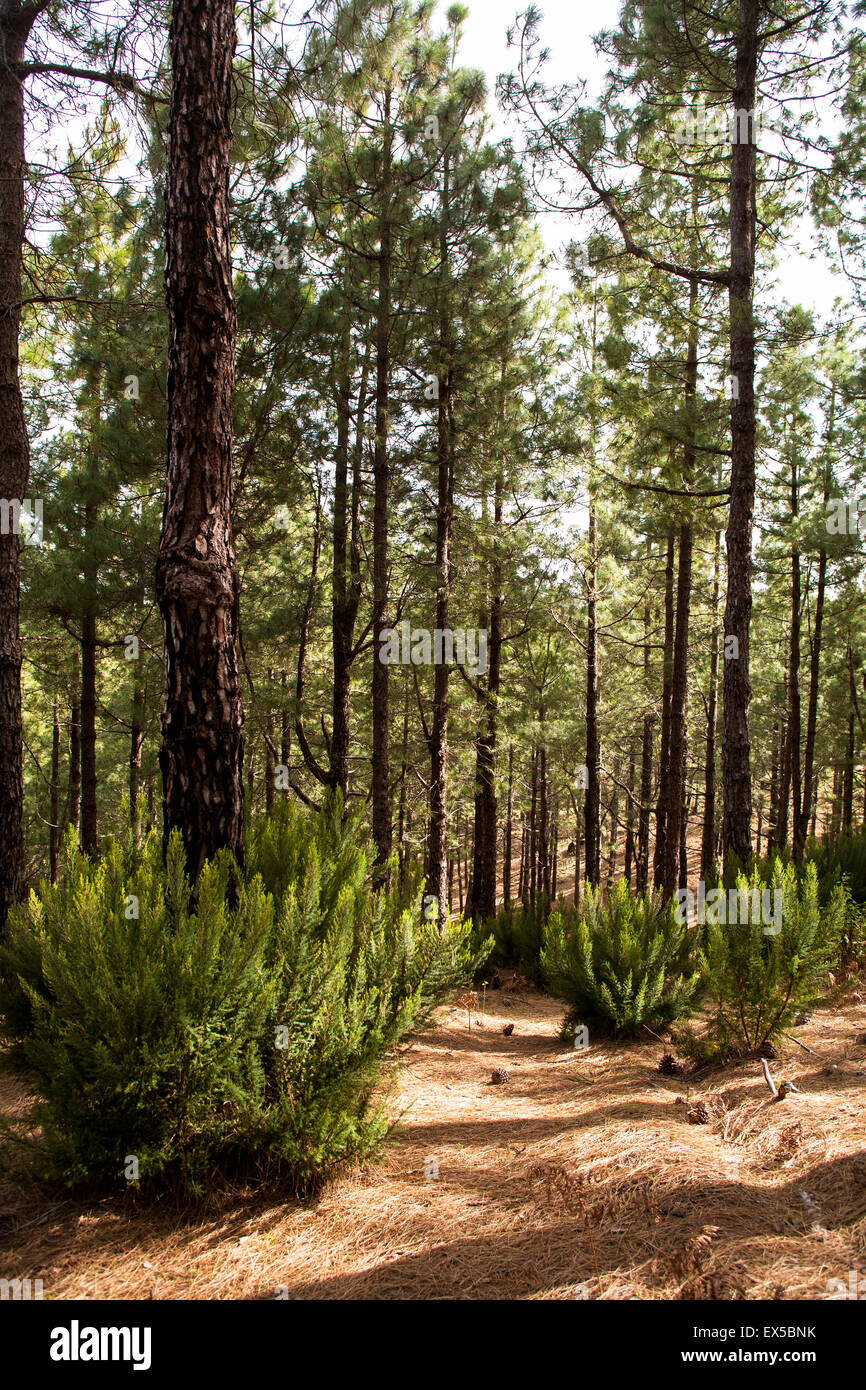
pixel 581 1176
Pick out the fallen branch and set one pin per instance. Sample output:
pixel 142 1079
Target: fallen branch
pixel 803 1045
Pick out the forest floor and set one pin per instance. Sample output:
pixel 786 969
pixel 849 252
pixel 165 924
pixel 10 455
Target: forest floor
pixel 579 1177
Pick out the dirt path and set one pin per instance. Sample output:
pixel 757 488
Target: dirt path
pixel 578 1177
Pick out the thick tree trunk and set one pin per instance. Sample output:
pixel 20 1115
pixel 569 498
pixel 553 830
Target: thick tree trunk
pixel 196 580
pixel 676 811
pixel 437 828
pixel 381 796
pixel 15 26
pixel 346 588
pixel 737 776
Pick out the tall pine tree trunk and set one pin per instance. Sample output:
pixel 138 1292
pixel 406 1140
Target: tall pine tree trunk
pixel 437 829
pixel 509 830
pixel 15 24
pixel 592 800
pixel 73 792
pixel 135 745
pixel 646 765
pixel 196 581
pixel 680 673
pixel 381 795
pixel 89 827
pixel 737 776
pixel 708 833
pixel 54 828
pixel 665 748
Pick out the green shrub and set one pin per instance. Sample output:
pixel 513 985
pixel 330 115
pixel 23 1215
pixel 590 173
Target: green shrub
pixel 219 1039
pixel 620 963
pixel 841 861
pixel 760 977
pixel 517 936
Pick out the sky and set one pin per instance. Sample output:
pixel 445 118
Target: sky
pixel 566 29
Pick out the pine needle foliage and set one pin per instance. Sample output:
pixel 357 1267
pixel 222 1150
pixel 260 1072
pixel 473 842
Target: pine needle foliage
pixel 230 1034
pixel 621 962
pixel 760 977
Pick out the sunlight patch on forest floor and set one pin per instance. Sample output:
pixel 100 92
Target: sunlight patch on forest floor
pixel 578 1177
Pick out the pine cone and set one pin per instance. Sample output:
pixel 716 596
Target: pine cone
pixel 508 1029
pixel 499 1077
pixel 669 1066
pixel 699 1114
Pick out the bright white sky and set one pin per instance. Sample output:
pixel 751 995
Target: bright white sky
pixel 566 29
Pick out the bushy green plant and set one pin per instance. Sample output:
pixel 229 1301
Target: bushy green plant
pixel 622 962
pixel 209 1039
pixel 517 936
pixel 759 971
pixel 840 861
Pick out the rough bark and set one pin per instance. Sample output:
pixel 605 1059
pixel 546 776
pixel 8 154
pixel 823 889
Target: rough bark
pixel 73 793
pixel 509 826
pixel 592 800
pixel 54 813
pixel 437 827
pixel 135 746
pixel 196 581
pixel 664 749
pixel 89 812
pixel 708 833
pixel 736 765
pixel 381 796
pixel 15 25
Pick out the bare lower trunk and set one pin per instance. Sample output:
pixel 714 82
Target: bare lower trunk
pixel 15 451
pixel 196 581
pixel 665 748
pixel 73 794
pixel 135 746
pixel 89 826
pixel 737 775
pixel 592 800
pixel 708 835
pixel 54 813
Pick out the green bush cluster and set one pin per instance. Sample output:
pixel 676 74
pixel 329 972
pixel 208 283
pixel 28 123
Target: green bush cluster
pixel 242 1032
pixel 622 962
pixel 759 979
